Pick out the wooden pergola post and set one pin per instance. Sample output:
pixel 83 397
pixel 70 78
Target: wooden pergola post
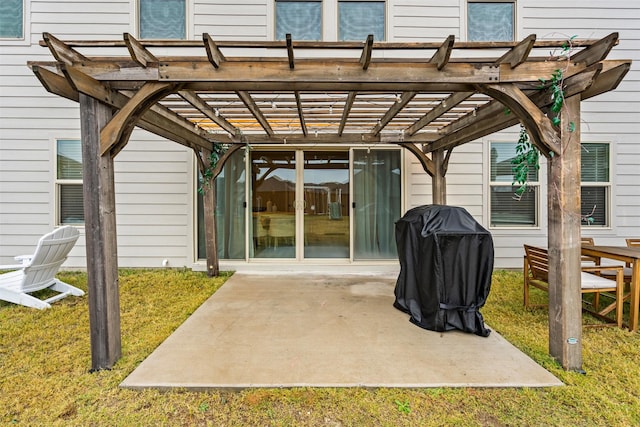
pixel 209 199
pixel 565 308
pixel 439 180
pixel 100 234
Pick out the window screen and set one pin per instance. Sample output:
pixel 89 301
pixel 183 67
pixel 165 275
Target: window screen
pixel 507 209
pixel 595 184
pixel 11 19
pixel 69 182
pixel 162 19
pixel 301 19
pixel 490 21
pixel 358 19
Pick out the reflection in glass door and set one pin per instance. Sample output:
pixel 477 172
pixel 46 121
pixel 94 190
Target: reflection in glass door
pixel 326 204
pixel 273 206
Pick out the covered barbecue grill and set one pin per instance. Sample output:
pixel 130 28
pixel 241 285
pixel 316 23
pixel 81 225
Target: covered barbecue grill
pixel 446 261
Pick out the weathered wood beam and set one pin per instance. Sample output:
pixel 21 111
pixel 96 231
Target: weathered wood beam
pixel 255 110
pixel 518 54
pixel 209 202
pixel 607 81
pixel 157 116
pixel 62 52
pixel 304 44
pixel 442 55
pixel 290 52
pixel 115 134
pixel 564 243
pixel 538 125
pixel 425 161
pixel 214 54
pixel 55 83
pixel 346 110
pixel 365 57
pixel 597 51
pixel 303 124
pixel 405 98
pixel 138 52
pixel 492 118
pixel 439 180
pixel 101 240
pixel 446 105
pixel 193 99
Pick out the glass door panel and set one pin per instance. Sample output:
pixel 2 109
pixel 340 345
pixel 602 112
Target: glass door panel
pixel 273 207
pixel 377 198
pixel 326 204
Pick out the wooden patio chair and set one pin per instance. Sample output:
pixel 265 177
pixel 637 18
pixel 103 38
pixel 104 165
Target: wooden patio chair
pixel 536 274
pixel 633 243
pixel 38 271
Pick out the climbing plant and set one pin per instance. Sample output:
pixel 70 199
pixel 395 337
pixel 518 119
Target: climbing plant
pixel 527 155
pixel 206 176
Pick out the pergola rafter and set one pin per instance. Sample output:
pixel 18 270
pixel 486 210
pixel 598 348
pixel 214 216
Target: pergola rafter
pixel 426 97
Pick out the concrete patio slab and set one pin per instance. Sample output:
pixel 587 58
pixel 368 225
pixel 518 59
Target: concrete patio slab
pixel 289 330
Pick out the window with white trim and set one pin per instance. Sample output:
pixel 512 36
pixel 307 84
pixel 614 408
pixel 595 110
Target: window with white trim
pixel 12 19
pixel 301 19
pixel 162 19
pixel 596 184
pixel 491 20
pixel 507 209
pixel 69 198
pixel 358 19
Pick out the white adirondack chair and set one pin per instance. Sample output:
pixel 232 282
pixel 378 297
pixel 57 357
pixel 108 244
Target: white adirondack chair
pixel 38 271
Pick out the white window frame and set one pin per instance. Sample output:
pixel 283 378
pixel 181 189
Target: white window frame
pixel 385 17
pixel 60 182
pixel 26 29
pixel 323 5
pixel 188 8
pixel 464 15
pixel 491 184
pixel 608 185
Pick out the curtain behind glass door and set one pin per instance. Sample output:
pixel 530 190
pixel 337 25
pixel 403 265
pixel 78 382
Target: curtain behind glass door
pixel 377 197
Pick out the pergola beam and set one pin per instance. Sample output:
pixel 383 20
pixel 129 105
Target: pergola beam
pixel 405 98
pixel 157 116
pixel 197 102
pixel 446 105
pixel 518 54
pixel 442 55
pixel 346 110
pixel 138 52
pixel 303 124
pixel 214 55
pixel 365 58
pixel 255 110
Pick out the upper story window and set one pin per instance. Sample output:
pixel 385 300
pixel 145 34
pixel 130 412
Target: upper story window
pixel 596 184
pixel 301 19
pixel 162 19
pixel 491 20
pixel 12 19
pixel 69 197
pixel 506 208
pixel 358 19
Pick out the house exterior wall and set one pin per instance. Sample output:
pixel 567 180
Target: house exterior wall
pixel 154 178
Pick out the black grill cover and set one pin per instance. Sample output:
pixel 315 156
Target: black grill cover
pixel 446 261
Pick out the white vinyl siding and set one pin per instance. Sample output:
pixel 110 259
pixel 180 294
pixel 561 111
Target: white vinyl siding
pixel 154 178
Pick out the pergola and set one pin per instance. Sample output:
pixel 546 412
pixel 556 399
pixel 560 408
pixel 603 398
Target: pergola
pixel 427 97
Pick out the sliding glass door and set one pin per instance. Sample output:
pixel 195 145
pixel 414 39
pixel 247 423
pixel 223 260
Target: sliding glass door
pixel 326 204
pixel 377 203
pixel 308 204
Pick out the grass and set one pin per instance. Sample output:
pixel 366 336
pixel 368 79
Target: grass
pixel 45 358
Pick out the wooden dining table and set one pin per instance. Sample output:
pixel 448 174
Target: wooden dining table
pixel 625 254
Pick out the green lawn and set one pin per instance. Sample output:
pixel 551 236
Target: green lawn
pixel 44 378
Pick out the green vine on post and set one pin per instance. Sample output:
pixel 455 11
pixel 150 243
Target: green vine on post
pixel 527 155
pixel 207 175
